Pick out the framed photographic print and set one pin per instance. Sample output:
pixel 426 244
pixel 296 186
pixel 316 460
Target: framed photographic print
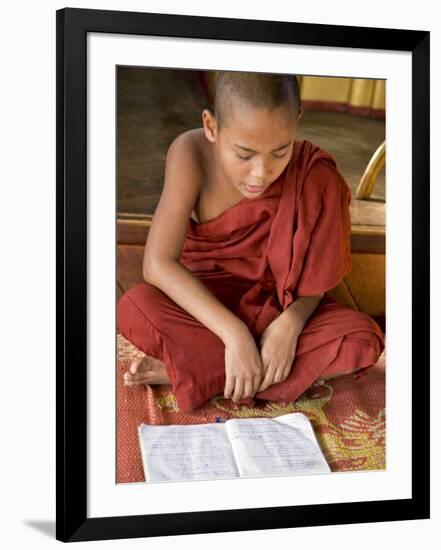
pixel 156 435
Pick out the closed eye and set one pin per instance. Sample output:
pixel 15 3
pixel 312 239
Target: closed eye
pixel 248 158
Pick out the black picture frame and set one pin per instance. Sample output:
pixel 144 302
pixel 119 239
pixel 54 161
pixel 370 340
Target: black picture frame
pixel 72 26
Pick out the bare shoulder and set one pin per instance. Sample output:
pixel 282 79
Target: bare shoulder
pixel 187 152
pixel 196 141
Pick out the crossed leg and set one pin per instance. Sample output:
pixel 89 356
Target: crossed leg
pixel 180 351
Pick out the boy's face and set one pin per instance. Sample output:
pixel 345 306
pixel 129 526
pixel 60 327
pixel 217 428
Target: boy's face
pixel 254 149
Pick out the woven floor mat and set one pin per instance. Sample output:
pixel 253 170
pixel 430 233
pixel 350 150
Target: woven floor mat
pixel 347 414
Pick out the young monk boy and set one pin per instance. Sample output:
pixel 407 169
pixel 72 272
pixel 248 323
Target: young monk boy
pixel 251 230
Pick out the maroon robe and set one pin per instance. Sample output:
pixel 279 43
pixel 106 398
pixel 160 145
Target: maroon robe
pixel 256 258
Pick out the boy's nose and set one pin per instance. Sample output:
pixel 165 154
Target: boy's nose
pixel 260 173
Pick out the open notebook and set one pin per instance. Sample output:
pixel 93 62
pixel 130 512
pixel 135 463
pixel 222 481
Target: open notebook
pixel 239 447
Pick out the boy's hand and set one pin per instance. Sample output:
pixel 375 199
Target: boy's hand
pixel 243 367
pixel 278 349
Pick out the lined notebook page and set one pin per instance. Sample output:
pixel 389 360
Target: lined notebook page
pixel 285 445
pixel 176 453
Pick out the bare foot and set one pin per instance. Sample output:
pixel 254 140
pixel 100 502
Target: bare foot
pixel 146 370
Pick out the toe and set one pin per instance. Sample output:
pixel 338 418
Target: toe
pixel 134 367
pixel 127 377
pixel 138 377
pixel 135 383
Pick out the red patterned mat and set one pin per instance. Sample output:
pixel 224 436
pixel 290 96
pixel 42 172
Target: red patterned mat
pixel 347 413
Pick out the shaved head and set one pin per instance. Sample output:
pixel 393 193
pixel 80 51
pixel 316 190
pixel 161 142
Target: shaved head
pixel 255 90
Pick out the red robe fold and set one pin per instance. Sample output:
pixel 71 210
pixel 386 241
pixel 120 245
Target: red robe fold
pixel 257 257
pixel 293 240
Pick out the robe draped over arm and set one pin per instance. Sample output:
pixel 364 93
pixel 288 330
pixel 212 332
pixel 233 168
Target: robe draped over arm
pixel 322 239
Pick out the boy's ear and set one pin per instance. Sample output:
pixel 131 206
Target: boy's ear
pixel 300 115
pixel 209 123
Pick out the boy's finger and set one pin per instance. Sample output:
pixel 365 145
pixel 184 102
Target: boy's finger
pixel 248 390
pixel 238 390
pixel 263 387
pixel 229 387
pixel 267 379
pixel 286 372
pixel 257 382
pixel 278 375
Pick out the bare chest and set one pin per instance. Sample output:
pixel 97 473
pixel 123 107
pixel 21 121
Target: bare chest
pixel 211 205
pixel 215 197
